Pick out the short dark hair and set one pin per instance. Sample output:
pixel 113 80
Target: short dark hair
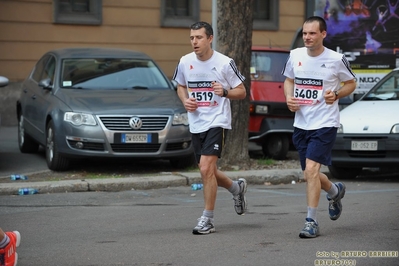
pixel 322 22
pixel 205 25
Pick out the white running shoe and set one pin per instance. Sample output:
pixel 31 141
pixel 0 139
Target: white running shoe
pixel 204 226
pixel 240 202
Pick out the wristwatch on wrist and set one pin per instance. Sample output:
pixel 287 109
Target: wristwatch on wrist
pixel 336 94
pixel 225 92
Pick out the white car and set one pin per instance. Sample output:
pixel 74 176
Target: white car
pixel 3 81
pixel 369 131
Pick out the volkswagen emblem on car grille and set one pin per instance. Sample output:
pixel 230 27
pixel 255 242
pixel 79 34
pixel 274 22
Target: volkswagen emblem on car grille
pixel 135 122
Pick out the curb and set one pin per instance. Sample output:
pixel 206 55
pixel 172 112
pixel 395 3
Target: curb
pixel 255 177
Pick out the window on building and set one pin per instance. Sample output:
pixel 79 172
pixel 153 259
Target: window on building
pixel 179 13
pixel 85 12
pixel 183 13
pixel 266 14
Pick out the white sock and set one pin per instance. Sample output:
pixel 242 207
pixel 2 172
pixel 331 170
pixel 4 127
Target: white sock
pixel 235 188
pixel 4 242
pixel 333 191
pixel 312 213
pixel 208 214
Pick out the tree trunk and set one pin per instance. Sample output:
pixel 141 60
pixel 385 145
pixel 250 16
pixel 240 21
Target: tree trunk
pixel 234 32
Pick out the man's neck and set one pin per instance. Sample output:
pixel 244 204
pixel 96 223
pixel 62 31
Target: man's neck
pixel 206 56
pixel 315 52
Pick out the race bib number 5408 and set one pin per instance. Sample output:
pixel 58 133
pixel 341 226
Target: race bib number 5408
pixel 308 91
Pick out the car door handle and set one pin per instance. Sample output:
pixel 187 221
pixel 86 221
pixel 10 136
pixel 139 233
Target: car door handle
pixel 34 97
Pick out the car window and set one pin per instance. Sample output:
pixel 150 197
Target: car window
pixel 112 73
pixel 49 70
pixel 387 89
pixel 266 66
pixel 39 67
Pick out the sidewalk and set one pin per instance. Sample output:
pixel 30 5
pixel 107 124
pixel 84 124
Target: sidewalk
pixel 162 180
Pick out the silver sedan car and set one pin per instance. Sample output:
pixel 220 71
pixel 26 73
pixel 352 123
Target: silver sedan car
pixel 100 102
pixel 3 83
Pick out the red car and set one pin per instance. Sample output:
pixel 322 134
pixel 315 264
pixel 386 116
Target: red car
pixel 270 121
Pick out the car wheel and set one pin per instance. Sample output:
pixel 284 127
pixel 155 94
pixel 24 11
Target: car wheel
pixel 344 172
pixel 25 142
pixel 183 162
pixel 55 161
pixel 276 146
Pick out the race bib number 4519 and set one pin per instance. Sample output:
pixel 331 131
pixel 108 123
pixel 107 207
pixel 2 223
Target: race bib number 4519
pixel 308 91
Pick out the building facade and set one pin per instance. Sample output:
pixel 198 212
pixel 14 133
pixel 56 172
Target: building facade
pixel 159 28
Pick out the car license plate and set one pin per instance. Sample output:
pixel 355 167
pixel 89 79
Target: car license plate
pixel 364 145
pixel 136 138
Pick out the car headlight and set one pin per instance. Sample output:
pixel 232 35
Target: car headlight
pixel 340 129
pixel 395 129
pixel 261 109
pixel 180 119
pixel 80 119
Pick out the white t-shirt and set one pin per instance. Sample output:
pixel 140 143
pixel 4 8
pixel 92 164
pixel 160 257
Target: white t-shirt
pixel 213 111
pixel 312 77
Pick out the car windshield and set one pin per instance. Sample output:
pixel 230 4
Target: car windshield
pixel 387 89
pixel 112 73
pixel 266 66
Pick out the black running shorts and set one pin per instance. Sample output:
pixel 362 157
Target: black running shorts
pixel 209 142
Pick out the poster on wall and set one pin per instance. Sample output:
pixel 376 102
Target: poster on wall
pixel 366 32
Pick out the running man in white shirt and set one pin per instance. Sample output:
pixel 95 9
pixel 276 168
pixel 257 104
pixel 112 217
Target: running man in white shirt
pixel 312 88
pixel 207 81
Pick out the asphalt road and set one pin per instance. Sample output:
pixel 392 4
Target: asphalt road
pixel 12 161
pixel 153 227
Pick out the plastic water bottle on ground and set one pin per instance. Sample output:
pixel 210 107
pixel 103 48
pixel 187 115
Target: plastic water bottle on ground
pixel 18 177
pixel 197 187
pixel 27 191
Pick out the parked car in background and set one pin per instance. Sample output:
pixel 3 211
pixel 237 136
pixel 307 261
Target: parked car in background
pixel 271 123
pixel 369 131
pixel 100 102
pixel 3 81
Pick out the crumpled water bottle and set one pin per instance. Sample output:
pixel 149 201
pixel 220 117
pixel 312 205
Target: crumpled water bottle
pixel 197 186
pixel 18 177
pixel 27 191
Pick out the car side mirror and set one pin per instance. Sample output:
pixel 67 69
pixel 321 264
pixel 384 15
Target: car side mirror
pixel 46 84
pixel 3 81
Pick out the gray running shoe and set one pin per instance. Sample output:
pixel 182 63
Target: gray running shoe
pixel 240 202
pixel 335 205
pixel 310 230
pixel 204 226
